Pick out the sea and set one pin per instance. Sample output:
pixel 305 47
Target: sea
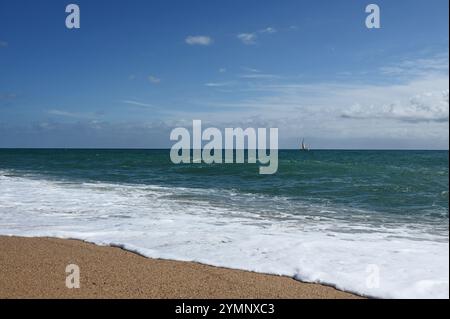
pixel 375 223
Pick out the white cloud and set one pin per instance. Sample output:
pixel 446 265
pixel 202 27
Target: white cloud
pixel 269 30
pixel 259 76
pixel 252 70
pixel 199 40
pixel 425 107
pixel 154 79
pixel 136 103
pixel 411 113
pixel 250 38
pixel 63 113
pixel 219 84
pixel 418 67
pixel 247 38
pixel 3 44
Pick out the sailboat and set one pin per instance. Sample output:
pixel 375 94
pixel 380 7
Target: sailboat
pixel 304 147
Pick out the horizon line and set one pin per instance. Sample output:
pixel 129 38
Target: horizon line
pixel 168 149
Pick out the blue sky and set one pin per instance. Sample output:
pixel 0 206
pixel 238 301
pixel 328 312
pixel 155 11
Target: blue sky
pixel 137 69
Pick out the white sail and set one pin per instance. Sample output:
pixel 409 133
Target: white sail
pixel 304 146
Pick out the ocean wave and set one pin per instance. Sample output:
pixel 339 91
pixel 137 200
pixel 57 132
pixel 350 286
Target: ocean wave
pixel 241 231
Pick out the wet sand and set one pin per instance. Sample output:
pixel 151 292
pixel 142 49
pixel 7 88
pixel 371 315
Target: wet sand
pixel 36 268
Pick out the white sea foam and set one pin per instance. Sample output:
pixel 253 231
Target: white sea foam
pixel 188 224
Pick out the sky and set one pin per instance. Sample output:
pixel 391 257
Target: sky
pixel 137 69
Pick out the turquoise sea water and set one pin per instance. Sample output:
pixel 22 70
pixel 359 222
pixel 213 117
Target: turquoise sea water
pixel 383 195
pixel 399 185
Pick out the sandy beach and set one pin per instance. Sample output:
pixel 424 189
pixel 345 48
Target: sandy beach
pixel 35 268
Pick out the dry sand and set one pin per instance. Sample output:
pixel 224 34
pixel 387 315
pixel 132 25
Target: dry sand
pixel 35 268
